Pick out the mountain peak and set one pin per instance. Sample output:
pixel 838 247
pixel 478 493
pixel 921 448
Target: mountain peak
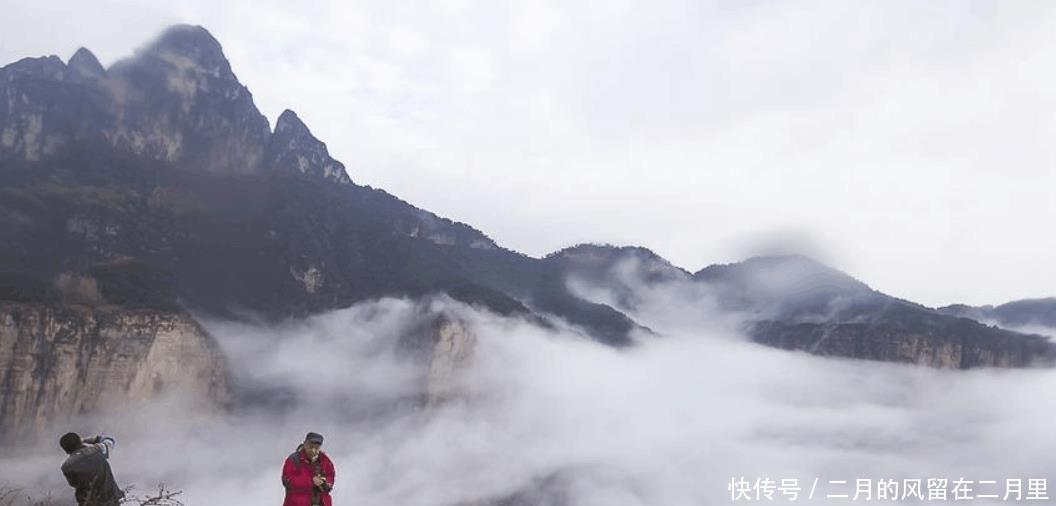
pixel 719 271
pixel 83 64
pixel 293 149
pixel 599 252
pixel 187 48
pixel 201 115
pixel 188 40
pixel 783 278
pixel 291 124
pixel 600 260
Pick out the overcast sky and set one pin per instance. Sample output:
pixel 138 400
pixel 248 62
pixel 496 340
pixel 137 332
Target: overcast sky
pixel 910 144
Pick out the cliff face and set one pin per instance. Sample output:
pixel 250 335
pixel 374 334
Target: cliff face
pixel 58 362
pixel 452 353
pixel 966 345
pixel 442 345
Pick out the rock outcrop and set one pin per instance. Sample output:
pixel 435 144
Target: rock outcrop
pixel 58 362
pixel 294 149
pixel 451 355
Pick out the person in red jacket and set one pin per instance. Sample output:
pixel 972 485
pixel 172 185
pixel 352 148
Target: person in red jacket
pixel 308 474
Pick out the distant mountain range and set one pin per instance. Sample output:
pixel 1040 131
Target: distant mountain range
pixel 1019 313
pixel 157 184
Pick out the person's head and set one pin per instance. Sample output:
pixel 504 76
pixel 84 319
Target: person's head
pixel 70 442
pixel 312 445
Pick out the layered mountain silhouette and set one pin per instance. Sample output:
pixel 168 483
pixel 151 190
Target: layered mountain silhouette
pixel 158 184
pixel 1018 313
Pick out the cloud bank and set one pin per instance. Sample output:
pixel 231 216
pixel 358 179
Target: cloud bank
pixel 551 417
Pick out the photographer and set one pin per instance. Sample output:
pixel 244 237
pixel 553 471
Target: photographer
pixel 308 474
pixel 87 469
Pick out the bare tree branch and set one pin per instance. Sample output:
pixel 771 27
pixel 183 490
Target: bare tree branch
pixel 163 497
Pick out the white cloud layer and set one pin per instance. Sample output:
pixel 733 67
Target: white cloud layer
pixel 669 422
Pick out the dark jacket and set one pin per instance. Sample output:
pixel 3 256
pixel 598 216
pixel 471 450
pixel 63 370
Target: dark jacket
pixel 87 470
pixel 297 475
